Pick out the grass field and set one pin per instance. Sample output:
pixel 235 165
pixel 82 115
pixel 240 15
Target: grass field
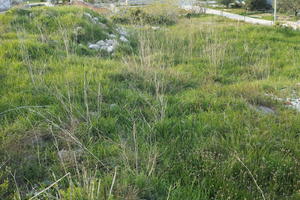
pixel 173 114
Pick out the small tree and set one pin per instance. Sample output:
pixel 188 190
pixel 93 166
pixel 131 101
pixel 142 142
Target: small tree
pixel 257 4
pixel 289 6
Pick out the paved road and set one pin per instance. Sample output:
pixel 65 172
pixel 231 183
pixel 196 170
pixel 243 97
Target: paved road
pixel 229 15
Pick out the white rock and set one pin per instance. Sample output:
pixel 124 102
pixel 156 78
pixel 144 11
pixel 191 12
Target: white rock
pixel 122 31
pixel 123 38
pixel 155 27
pixel 108 45
pixel 289 102
pixel 101 43
pixel 293 25
pixel 112 36
pixel 104 48
pixel 110 49
pixel 265 110
pixel 94 46
pixel 88 15
pixel 111 42
pixel 94 20
pixel 294 103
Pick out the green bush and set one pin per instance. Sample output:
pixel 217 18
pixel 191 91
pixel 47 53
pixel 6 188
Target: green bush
pixel 226 2
pixel 257 5
pixel 139 16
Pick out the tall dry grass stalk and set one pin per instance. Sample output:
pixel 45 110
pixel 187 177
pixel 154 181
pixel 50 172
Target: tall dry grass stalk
pixel 214 51
pixel 25 55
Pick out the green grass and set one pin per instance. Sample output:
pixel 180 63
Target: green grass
pixel 169 116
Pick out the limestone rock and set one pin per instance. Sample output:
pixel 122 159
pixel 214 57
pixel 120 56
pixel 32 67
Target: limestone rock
pixel 108 45
pixel 123 38
pixel 94 46
pixel 265 110
pixel 122 31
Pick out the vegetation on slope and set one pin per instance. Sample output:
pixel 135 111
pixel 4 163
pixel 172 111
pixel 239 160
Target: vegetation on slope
pixel 172 116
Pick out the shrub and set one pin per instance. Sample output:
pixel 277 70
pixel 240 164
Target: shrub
pixel 257 5
pixel 139 16
pixel 226 2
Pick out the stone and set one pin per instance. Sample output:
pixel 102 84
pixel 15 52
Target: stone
pixel 265 110
pixel 88 15
pixel 292 25
pixel 109 42
pixel 122 31
pixel 101 43
pixel 155 28
pixel 112 36
pixel 95 19
pixel 123 38
pixel 110 49
pixel 294 103
pixel 94 46
pixel 108 45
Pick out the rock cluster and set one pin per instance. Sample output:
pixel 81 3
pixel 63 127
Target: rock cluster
pixel 293 103
pixel 292 25
pixel 95 20
pixel 123 38
pixel 122 31
pixel 109 45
